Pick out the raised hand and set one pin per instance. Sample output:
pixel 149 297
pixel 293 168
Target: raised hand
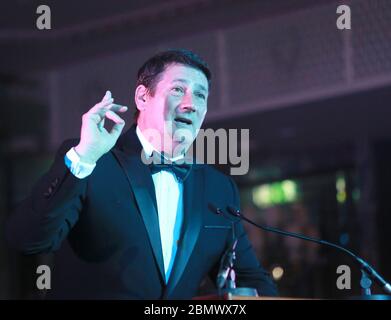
pixel 95 140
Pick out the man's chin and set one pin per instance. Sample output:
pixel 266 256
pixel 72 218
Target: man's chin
pixel 185 133
pixel 183 139
pixel 185 148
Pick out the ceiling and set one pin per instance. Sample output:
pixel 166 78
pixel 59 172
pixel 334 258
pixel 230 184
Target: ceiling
pixel 82 30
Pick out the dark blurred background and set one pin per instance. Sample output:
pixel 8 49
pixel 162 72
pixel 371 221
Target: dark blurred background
pixel 317 101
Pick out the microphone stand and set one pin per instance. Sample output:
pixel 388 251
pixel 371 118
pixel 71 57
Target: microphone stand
pixel 368 273
pixel 226 277
pixel 226 268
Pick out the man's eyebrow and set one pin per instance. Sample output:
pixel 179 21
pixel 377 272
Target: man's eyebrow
pixel 185 81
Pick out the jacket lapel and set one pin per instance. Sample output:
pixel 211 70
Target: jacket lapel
pixel 193 199
pixel 128 154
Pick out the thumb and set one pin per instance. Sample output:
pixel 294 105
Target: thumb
pixel 117 129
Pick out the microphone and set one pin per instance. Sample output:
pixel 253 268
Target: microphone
pixel 366 268
pixel 215 209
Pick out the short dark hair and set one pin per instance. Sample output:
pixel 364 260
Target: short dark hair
pixel 150 72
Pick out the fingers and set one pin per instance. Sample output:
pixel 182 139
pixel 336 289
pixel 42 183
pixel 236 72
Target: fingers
pixel 113 108
pixel 105 108
pixel 106 100
pixel 92 117
pixel 119 123
pixel 117 129
pixel 116 108
pixel 107 112
pixel 102 107
pixel 99 106
pixel 114 117
pixel 107 95
pixel 101 124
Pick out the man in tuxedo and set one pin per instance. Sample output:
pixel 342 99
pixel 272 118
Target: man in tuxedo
pixel 124 229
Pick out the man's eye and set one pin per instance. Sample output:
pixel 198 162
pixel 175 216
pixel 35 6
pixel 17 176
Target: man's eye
pixel 201 95
pixel 178 90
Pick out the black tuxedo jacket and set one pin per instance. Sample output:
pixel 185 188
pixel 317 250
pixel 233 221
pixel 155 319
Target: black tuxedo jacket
pixel 110 223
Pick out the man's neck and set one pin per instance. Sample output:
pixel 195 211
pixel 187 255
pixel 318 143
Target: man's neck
pixel 152 141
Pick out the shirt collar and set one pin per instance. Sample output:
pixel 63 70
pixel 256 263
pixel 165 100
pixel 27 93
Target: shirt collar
pixel 149 148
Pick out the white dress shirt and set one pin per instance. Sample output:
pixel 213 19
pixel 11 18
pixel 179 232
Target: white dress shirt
pixel 169 199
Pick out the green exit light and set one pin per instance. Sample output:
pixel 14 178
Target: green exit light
pixel 276 193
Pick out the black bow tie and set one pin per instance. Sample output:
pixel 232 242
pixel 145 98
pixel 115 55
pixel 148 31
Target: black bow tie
pixel 181 169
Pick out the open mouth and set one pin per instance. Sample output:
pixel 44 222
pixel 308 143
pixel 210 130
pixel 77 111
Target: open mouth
pixel 183 120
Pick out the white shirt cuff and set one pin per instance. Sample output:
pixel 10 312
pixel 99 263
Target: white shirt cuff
pixel 78 168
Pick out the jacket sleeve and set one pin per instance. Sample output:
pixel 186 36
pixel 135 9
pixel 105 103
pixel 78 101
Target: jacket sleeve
pixel 249 272
pixel 42 221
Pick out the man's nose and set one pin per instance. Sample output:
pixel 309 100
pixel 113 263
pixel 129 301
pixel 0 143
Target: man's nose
pixel 188 104
pixel 188 108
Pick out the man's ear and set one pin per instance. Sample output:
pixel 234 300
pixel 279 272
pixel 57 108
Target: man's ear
pixel 140 97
